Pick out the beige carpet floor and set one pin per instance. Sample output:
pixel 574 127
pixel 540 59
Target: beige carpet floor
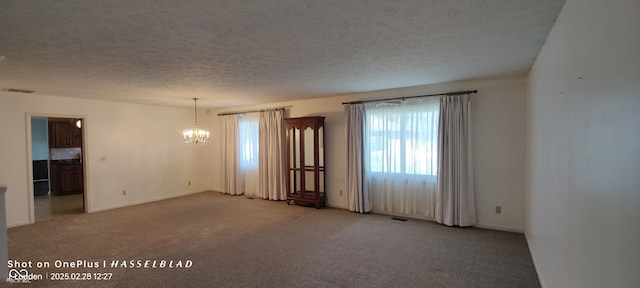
pixel 233 241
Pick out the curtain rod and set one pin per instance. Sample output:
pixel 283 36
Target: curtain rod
pixel 251 111
pixel 408 97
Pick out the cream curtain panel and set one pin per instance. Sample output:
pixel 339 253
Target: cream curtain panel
pixel 272 155
pixel 358 198
pixel 231 180
pixel 455 203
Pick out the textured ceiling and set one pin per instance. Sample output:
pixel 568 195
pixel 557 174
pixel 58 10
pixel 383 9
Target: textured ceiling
pixel 243 52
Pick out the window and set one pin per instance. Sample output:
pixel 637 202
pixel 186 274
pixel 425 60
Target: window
pixel 248 141
pixel 402 138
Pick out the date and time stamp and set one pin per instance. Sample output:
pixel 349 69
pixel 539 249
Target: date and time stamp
pixel 62 276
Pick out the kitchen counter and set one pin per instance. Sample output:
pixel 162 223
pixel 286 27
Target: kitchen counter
pixel 67 162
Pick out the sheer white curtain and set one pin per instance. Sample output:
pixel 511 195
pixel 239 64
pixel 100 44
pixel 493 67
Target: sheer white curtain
pixel 248 147
pixel 401 156
pixel 358 199
pixel 231 180
pixel 272 155
pixel 455 198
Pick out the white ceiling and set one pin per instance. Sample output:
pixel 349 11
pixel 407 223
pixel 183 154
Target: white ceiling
pixel 244 52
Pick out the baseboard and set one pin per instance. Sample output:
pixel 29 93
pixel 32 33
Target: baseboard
pixel 146 201
pixel 533 259
pixel 18 224
pixel 501 228
pixel 335 205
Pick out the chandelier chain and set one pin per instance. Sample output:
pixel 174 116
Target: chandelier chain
pixel 195 109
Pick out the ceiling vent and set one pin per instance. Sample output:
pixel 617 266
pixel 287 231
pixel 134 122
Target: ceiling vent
pixel 17 90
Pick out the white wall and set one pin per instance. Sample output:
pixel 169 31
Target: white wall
pixel 499 144
pixel 141 144
pixel 583 196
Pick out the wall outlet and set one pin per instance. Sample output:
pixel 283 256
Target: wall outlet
pixel 124 192
pixel 498 210
pixel 189 183
pixel 340 192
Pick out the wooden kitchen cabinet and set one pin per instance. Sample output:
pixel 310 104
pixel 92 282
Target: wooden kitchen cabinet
pixel 305 161
pixel 67 179
pixel 63 133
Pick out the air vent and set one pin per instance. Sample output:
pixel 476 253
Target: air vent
pixel 17 90
pixel 399 218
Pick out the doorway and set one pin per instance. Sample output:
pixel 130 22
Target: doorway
pixel 57 166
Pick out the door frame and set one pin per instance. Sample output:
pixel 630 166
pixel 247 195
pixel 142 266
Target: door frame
pixel 85 163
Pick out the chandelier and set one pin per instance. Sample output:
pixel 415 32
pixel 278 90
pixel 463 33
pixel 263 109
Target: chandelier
pixel 195 135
